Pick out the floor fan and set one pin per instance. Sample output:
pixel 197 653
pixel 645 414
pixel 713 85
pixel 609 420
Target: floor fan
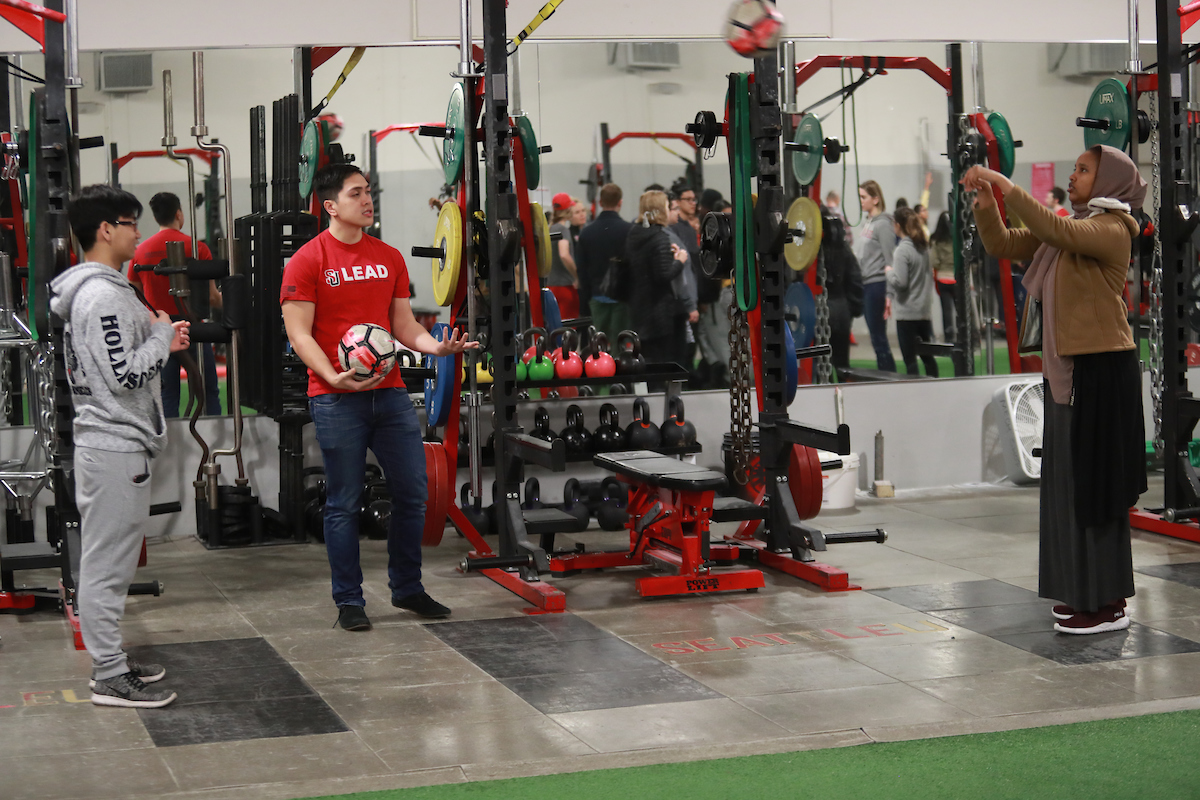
pixel 1022 410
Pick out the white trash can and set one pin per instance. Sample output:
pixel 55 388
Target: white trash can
pixel 839 480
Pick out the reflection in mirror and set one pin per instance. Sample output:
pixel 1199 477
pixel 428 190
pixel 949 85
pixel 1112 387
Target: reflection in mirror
pixel 620 111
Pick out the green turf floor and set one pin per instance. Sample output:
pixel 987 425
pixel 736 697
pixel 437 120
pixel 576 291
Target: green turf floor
pixel 1139 758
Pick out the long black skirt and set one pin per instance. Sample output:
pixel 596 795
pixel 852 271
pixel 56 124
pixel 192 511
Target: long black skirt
pixel 1085 567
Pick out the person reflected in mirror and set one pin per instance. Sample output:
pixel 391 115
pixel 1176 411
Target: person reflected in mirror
pixel 833 202
pixel 878 241
pixel 1055 199
pixel 168 213
pixel 684 287
pixel 563 279
pixel 910 291
pixel 941 261
pixel 116 346
pixel 601 248
pixel 341 278
pixel 714 296
pixel 843 286
pixel 1093 443
pixel 655 263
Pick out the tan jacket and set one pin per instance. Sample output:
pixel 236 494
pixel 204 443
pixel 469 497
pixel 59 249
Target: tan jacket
pixel 1090 315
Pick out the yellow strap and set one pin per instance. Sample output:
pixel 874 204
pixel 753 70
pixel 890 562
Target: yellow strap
pixel 355 57
pixel 543 14
pixel 669 150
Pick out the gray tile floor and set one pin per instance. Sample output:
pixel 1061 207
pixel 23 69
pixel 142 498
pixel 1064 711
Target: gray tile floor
pixel 947 637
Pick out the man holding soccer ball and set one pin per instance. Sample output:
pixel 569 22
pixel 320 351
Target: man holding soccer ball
pixel 341 279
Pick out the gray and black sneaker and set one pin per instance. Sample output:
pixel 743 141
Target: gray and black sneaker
pixel 148 673
pixel 128 691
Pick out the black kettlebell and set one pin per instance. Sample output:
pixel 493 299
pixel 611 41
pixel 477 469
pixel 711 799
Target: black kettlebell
pixel 642 434
pixel 533 495
pixel 541 425
pixel 629 360
pixel 618 388
pixel 378 517
pixel 575 505
pixel 314 518
pixel 608 435
pixel 614 505
pixel 677 431
pixel 578 438
pixel 474 512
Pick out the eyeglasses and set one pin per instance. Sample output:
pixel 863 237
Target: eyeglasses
pixel 687 199
pixel 128 222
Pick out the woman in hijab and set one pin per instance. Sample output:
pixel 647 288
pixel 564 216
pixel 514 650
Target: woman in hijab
pixel 1093 446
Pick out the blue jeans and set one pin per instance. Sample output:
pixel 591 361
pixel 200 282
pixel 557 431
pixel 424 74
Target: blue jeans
pixel 170 384
pixel 346 426
pixel 874 300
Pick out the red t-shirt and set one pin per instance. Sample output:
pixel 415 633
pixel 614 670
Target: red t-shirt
pixel 152 252
pixel 349 284
pixel 1063 212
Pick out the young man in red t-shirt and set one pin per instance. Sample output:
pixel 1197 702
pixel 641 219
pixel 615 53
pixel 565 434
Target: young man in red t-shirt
pixel 168 213
pixel 341 278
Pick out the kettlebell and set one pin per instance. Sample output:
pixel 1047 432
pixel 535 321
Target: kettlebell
pixel 314 518
pixel 406 358
pixel 541 425
pixel 533 495
pixel 608 435
pixel 567 363
pixel 630 361
pixel 599 363
pixel 577 437
pixel 677 431
pixel 574 504
pixel 378 517
pixel 642 434
pixel 483 370
pixel 474 512
pixel 613 512
pixel 539 366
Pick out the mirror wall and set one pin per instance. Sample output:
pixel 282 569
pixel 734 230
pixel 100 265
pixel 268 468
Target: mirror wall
pixel 895 124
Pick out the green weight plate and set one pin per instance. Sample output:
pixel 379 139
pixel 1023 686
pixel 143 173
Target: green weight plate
pixel 806 164
pixel 454 145
pixel 533 168
pixel 1109 101
pixel 1004 143
pixel 310 156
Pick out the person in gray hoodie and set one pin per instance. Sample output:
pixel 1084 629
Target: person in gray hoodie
pixel 878 242
pixel 910 291
pixel 115 346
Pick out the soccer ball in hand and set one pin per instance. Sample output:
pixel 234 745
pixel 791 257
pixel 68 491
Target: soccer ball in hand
pixel 367 349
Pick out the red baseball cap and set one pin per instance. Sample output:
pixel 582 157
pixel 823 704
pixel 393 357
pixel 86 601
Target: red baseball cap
pixel 562 201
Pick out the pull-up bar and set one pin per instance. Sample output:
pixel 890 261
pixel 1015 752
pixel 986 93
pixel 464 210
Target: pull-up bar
pixel 683 137
pixel 807 69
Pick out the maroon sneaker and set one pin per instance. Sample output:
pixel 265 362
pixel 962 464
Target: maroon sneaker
pixel 1109 618
pixel 1066 612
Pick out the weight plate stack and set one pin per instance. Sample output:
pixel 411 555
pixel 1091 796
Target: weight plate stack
pixel 439 390
pixel 1109 104
pixel 803 214
pixel 1004 143
pixel 311 145
pixel 541 240
pixel 448 236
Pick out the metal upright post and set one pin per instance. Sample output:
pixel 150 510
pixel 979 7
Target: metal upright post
pixel 963 334
pixel 1179 414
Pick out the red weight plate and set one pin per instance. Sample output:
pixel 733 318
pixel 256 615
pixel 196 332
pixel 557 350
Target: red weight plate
pixel 435 505
pixel 804 475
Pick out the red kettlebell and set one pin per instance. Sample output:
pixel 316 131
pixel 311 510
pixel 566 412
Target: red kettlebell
pixel 600 364
pixel 567 363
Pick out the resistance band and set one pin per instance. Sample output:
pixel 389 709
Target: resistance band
pixel 745 272
pixel 543 14
pixel 346 70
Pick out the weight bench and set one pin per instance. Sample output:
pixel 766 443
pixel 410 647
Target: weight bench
pixel 670 507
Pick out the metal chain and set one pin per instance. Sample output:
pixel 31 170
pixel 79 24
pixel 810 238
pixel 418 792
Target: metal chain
pixel 1157 373
pixel 741 421
pixel 6 387
pixel 42 372
pixel 823 333
pixel 968 234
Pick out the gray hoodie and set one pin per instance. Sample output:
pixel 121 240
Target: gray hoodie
pixel 115 353
pixel 910 283
pixel 878 242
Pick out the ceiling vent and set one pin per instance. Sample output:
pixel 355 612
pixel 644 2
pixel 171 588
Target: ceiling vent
pixel 644 56
pixel 124 72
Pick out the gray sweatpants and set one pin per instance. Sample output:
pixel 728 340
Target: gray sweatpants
pixel 112 491
pixel 712 332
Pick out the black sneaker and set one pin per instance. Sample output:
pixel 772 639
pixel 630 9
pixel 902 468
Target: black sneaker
pixel 353 618
pixel 147 673
pixel 128 691
pixel 422 604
